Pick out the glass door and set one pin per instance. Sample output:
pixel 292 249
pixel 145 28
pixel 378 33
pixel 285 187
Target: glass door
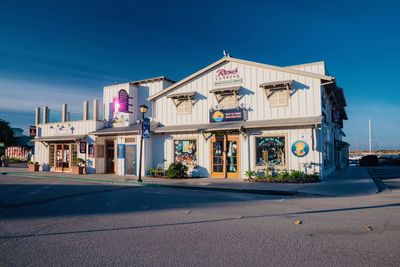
pixel 59 162
pixel 63 157
pixel 232 162
pixel 217 158
pixel 110 150
pixel 225 157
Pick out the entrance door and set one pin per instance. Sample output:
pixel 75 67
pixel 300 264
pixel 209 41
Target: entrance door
pixel 63 157
pixel 110 152
pixel 225 156
pixel 130 159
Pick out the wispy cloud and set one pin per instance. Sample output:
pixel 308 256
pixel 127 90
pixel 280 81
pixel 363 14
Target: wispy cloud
pixel 24 96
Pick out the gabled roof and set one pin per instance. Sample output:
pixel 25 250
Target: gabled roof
pixel 241 61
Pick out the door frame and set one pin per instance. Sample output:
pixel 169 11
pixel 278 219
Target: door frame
pixel 225 138
pixel 63 169
pixel 107 141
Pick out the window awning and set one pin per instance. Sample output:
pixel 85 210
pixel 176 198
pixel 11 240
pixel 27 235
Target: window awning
pixel 178 98
pixel 271 87
pixel 220 93
pixel 60 138
pixel 124 130
pixel 277 85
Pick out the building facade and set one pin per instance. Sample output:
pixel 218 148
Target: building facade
pixel 229 117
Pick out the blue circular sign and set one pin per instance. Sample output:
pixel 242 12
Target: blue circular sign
pixel 300 149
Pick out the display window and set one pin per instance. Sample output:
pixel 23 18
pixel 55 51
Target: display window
pixel 185 151
pixel 271 150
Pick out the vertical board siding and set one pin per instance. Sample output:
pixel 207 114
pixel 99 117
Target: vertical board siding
pixel 305 101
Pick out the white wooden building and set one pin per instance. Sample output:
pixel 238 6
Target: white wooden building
pixel 229 117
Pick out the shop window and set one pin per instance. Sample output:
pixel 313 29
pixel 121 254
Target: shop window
pixel 271 151
pixel 279 98
pixel 185 107
pixel 74 154
pixel 51 155
pixel 229 101
pixel 185 151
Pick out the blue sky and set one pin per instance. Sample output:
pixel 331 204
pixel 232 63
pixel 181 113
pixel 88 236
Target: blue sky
pixel 54 52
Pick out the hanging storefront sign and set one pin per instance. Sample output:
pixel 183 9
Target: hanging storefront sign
pixel 225 77
pixel 300 149
pixel 225 115
pixel 146 128
pixel 32 131
pixel 82 147
pixel 123 101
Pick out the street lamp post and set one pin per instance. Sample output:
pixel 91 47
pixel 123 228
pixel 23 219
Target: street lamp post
pixel 143 109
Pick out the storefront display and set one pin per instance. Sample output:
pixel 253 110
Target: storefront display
pixel 185 151
pixel 270 151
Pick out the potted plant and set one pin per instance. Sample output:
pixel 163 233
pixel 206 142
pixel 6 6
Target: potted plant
pixel 33 166
pixel 79 165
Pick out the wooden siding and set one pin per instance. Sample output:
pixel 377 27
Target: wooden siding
pixel 305 101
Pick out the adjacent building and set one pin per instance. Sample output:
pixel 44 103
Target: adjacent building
pixel 229 117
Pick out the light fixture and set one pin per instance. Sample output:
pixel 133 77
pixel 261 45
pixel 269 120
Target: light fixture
pixel 143 108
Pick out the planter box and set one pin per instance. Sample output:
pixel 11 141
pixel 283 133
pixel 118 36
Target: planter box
pixel 77 169
pixel 33 167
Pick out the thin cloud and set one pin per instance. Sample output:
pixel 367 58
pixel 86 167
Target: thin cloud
pixel 24 96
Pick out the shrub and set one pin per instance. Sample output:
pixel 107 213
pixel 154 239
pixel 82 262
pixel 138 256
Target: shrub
pixel 293 176
pixel 177 170
pixel 79 162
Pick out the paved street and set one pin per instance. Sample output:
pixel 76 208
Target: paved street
pixel 56 222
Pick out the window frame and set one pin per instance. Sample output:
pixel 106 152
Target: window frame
pixel 285 136
pixel 287 96
pixel 186 139
pixel 235 102
pixel 186 102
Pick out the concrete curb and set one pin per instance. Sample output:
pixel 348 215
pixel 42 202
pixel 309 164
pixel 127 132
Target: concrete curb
pixel 187 187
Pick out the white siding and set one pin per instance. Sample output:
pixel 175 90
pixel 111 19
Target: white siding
pixel 304 102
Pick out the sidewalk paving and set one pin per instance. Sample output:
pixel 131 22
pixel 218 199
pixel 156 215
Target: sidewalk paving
pixel 351 181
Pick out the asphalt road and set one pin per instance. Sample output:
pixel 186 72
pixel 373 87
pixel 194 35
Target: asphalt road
pixel 53 222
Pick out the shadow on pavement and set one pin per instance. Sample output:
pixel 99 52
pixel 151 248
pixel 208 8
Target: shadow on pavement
pixel 197 222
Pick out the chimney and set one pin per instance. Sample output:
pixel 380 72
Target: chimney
pixel 46 115
pixel 64 113
pixel 85 110
pixel 95 109
pixel 37 116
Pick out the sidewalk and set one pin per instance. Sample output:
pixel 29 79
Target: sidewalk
pixel 351 181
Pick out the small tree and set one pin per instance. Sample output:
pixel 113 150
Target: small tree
pixel 6 133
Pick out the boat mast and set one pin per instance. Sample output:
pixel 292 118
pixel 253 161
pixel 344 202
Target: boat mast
pixel 369 135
